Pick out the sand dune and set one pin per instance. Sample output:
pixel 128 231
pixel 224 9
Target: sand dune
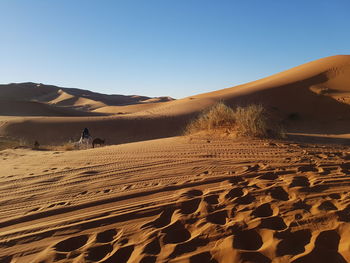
pixel 181 199
pixel 312 98
pixel 177 200
pixel 68 97
pixel 32 108
pixel 319 89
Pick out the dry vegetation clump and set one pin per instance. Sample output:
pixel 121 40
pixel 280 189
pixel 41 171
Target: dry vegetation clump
pixel 13 143
pixel 255 121
pixel 218 116
pixel 8 143
pixel 250 121
pixel 69 146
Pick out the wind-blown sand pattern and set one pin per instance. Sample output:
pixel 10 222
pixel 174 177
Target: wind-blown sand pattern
pixel 177 200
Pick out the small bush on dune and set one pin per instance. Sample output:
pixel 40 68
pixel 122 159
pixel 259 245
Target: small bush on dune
pixel 255 121
pixel 215 117
pixel 69 146
pixel 250 121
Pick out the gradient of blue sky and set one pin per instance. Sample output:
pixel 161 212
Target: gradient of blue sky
pixel 165 47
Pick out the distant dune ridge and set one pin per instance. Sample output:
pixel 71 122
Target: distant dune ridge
pixel 79 99
pixel 317 92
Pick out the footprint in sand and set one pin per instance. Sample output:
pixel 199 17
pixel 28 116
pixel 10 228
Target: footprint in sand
pixel 327 206
pixel 175 233
pixel 302 205
pixel 71 244
pixel 204 257
pixel 302 181
pixel 122 255
pixel 245 200
pixel 273 223
pixel 255 257
pixel 307 168
pixel 163 220
pixel 279 193
pixel 153 247
pixel 148 259
pixel 106 236
pixel 263 210
pixel 189 246
pixel 212 199
pixel 235 180
pixel 335 196
pixel 292 243
pixel 325 250
pixel 218 218
pixel 98 252
pixel 189 206
pixel 268 176
pixel 247 240
pixel 234 193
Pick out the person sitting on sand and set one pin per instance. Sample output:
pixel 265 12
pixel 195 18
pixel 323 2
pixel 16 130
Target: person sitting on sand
pixel 85 134
pixel 85 137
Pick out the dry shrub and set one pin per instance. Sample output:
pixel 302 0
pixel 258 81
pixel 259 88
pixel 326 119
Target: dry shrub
pixel 255 121
pixel 8 143
pixel 215 117
pixel 69 146
pixel 250 121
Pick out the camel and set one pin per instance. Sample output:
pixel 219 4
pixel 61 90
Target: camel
pixel 97 141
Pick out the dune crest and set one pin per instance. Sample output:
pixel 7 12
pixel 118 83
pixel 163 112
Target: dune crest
pixel 78 99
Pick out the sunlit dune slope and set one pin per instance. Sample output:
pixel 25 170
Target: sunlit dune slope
pixel 316 90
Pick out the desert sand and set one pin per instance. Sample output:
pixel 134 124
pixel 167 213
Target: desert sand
pixel 312 98
pixel 158 196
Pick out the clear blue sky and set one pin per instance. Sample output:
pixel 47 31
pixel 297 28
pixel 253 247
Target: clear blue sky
pixel 165 47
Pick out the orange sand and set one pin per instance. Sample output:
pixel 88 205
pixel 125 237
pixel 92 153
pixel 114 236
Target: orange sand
pixel 180 199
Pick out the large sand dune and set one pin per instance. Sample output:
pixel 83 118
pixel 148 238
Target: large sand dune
pixel 319 90
pixel 312 98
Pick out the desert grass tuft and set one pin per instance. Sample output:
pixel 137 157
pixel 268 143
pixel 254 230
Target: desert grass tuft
pixel 249 121
pixel 255 121
pixel 218 116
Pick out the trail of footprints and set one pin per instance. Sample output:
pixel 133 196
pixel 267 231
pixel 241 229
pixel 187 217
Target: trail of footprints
pixel 185 228
pixel 253 204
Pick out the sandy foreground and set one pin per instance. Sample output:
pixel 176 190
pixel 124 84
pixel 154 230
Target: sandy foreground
pixel 179 199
